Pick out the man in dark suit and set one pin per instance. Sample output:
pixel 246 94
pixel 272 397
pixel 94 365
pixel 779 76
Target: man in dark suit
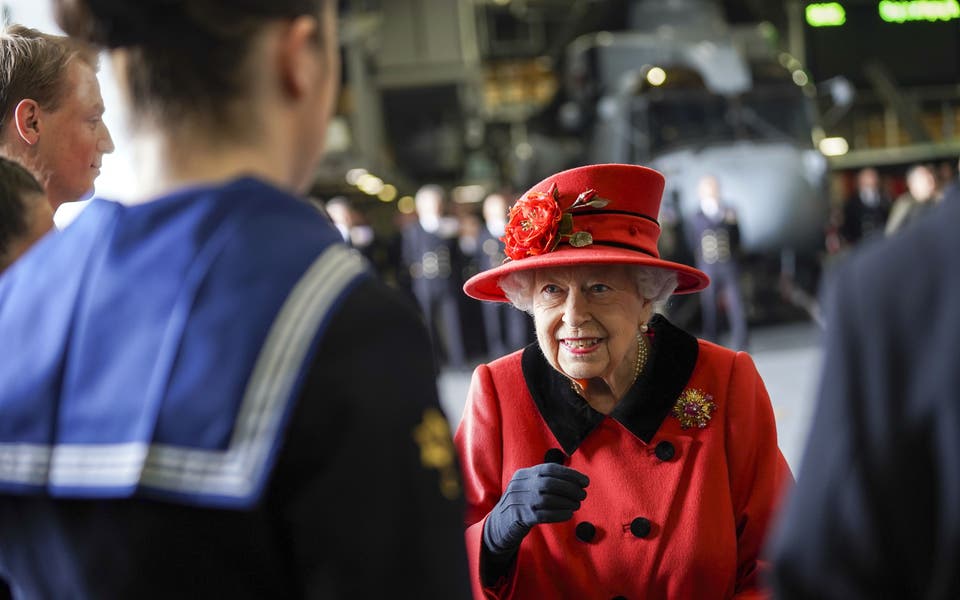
pixel 507 329
pixel 714 238
pixel 876 509
pixel 427 249
pixel 865 212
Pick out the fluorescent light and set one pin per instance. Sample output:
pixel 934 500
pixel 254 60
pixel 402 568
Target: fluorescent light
pixel 834 146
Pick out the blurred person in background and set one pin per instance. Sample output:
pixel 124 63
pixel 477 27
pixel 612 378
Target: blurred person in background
pixel 204 393
pixel 952 186
pixel 874 511
pixel 714 237
pixel 466 264
pixel 506 328
pixel 403 280
pixel 865 212
pixel 469 230
pixel 619 457
pixel 357 233
pixel 427 254
pixel 25 214
pixel 674 246
pixel 946 175
pixel 920 197
pixel 338 209
pixel 52 111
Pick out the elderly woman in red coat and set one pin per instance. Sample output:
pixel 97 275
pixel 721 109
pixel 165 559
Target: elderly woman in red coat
pixel 619 457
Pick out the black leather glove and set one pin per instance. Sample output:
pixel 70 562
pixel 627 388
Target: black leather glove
pixel 546 493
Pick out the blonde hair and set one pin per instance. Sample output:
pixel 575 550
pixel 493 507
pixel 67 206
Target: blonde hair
pixel 34 65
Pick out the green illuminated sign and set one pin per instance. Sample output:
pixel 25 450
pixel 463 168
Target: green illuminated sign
pixel 826 14
pixel 919 10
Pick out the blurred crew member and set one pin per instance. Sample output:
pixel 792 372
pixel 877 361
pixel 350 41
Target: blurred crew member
pixel 427 253
pixel 507 329
pixel 338 209
pixel 920 197
pixel 874 511
pixel 210 396
pixel 866 211
pixel 714 238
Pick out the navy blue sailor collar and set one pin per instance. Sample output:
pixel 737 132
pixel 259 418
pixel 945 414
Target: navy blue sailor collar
pixel 673 355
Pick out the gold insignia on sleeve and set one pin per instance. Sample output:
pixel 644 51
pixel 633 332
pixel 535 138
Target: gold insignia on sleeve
pixel 694 408
pixel 437 452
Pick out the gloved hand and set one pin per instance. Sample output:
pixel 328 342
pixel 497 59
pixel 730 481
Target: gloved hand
pixel 545 493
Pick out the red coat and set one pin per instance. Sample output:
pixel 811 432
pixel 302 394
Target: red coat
pixel 682 515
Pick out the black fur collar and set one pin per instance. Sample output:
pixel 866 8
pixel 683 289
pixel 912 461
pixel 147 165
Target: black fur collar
pixel 673 354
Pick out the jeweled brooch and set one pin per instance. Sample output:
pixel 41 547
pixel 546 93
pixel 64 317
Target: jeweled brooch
pixel 694 408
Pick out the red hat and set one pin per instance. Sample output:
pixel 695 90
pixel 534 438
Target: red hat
pixel 600 214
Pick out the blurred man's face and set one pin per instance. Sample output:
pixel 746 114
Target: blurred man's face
pixel 428 203
pixel 709 192
pixel 73 138
pixel 921 184
pixel 494 208
pixel 709 187
pixel 339 214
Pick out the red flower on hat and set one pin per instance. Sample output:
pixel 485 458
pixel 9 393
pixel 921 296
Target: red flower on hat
pixel 537 225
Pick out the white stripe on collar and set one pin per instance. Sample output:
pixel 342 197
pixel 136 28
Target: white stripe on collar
pixel 235 472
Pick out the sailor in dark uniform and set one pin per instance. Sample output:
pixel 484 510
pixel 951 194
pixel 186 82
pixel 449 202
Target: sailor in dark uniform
pixel 205 394
pixel 427 252
pixel 507 329
pixel 865 212
pixel 874 513
pixel 714 238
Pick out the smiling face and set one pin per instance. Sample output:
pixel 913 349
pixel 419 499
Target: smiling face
pixel 73 138
pixel 587 320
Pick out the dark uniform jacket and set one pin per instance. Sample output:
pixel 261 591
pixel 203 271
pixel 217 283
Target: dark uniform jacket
pixel 208 396
pixel 429 258
pixel 863 219
pixel 715 243
pixel 876 509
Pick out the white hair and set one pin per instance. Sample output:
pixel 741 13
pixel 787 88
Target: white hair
pixel 652 284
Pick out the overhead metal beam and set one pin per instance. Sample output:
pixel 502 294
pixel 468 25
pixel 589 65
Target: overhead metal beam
pixel 886 87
